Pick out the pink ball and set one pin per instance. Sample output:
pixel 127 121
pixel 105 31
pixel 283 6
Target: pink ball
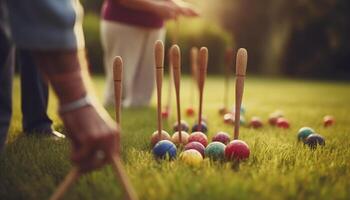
pixel 221 137
pixel 198 137
pixel 256 122
pixel 328 120
pixel 237 150
pixel 196 146
pixel 282 123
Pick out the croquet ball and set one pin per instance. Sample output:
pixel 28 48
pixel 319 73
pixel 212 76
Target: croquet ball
pixel 198 137
pixel 176 139
pixel 304 132
pixel 155 137
pixel 223 111
pixel 215 151
pixel 203 128
pixel 282 123
pixel 237 150
pixel 165 114
pixel 328 120
pixel 164 149
pixel 184 126
pixel 228 118
pixel 190 112
pixel 191 157
pixel 274 117
pixel 221 137
pixel 196 146
pixel 314 139
pixel 256 122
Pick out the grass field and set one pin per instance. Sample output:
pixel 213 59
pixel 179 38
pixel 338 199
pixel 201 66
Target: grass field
pixel 278 168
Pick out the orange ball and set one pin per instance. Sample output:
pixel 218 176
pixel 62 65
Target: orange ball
pixel 156 138
pixel 175 138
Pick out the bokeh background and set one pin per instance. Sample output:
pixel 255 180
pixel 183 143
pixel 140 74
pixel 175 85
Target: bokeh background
pixel 299 38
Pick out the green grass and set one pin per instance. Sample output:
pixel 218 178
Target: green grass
pixel 278 168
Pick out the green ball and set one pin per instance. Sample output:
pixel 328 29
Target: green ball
pixel 304 132
pixel 215 151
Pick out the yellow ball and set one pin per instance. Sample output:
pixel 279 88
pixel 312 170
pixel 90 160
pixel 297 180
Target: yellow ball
pixel 191 157
pixel 176 139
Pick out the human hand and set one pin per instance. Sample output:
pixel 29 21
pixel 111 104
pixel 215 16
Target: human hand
pixel 187 9
pixel 95 138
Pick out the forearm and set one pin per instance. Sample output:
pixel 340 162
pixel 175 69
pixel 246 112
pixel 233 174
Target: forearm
pixel 144 5
pixel 63 70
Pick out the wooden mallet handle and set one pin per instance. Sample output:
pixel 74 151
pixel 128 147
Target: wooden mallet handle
pixel 241 66
pixel 68 181
pixel 159 60
pixel 176 65
pixel 202 70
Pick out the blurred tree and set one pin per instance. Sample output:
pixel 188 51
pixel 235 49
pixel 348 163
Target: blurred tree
pixel 301 37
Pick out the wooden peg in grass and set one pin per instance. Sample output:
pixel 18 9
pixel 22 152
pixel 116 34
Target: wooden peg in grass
pixel 202 72
pixel 159 59
pixel 176 65
pixel 241 66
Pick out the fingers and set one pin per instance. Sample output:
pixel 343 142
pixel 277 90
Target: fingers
pixel 95 152
pixel 95 139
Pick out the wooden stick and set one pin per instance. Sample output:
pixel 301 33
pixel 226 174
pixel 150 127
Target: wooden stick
pixel 68 181
pixel 159 60
pixel 203 63
pixel 176 64
pixel 194 73
pixel 118 76
pixel 241 66
pixel 228 64
pixel 118 167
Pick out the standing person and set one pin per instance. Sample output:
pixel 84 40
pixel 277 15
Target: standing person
pixel 34 97
pixel 129 29
pixel 34 91
pixel 51 31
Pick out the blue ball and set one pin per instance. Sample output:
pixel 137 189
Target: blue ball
pixel 203 129
pixel 164 149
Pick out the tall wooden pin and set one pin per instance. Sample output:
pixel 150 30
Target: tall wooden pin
pixel 241 66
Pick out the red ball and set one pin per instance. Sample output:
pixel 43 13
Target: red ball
pixel 223 111
pixel 256 122
pixel 282 123
pixel 198 137
pixel 221 137
pixel 165 114
pixel 328 120
pixel 190 112
pixel 274 117
pixel 155 137
pixel 237 150
pixel 196 146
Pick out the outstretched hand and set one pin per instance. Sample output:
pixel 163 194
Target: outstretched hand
pixel 173 9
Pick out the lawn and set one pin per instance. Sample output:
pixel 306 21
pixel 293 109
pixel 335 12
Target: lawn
pixel 278 168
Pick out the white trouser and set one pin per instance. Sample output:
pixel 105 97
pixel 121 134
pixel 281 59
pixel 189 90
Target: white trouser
pixel 135 46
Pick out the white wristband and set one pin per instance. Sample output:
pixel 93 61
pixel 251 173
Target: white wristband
pixel 82 102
